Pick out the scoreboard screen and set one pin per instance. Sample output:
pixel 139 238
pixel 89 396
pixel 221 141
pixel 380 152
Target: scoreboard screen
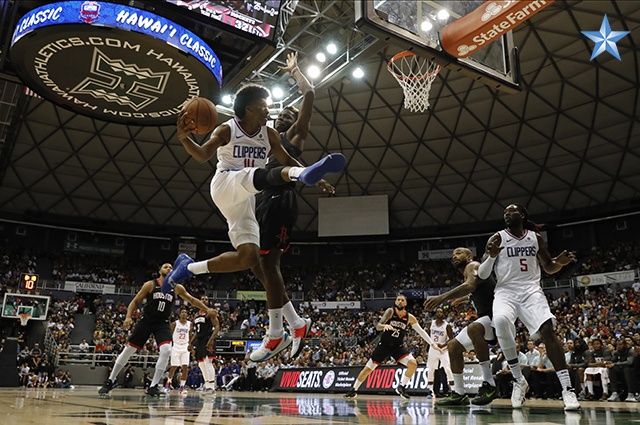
pixel 255 17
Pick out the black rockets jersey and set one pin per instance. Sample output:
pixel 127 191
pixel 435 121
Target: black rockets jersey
pixel 482 297
pixel 400 324
pixel 158 305
pixel 203 325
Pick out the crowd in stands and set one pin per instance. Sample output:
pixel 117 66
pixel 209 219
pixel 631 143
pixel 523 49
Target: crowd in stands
pixel 605 315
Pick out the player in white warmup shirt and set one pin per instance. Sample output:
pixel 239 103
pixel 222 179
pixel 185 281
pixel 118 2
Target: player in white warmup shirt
pixel 180 349
pixel 516 254
pixel 441 332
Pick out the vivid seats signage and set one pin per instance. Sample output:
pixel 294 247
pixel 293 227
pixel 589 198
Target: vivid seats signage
pixel 113 62
pixel 383 380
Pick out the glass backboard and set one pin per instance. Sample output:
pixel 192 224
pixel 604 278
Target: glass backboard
pixel 13 304
pixel 415 26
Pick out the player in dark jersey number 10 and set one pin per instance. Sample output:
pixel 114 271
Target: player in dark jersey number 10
pixel 394 324
pixel 155 320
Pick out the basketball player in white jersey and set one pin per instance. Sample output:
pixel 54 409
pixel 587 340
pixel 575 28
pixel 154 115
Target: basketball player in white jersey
pixel 180 349
pixel 242 145
pixel 440 332
pixel 516 254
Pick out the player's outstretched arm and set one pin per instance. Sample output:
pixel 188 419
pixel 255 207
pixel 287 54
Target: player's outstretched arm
pixel 182 293
pixel 298 132
pixel 553 265
pixel 467 287
pixel 423 334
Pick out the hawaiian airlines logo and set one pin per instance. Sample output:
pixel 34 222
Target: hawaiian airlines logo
pixel 115 81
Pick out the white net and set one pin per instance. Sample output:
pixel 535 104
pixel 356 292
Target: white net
pixel 24 318
pixel 415 75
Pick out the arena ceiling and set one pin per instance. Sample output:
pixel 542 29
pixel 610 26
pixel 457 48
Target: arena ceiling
pixel 568 145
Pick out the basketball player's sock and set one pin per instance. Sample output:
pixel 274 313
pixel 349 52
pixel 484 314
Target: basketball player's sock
pixel 405 379
pixel 212 373
pixel 291 315
pixel 356 385
pixel 294 173
pixel 514 366
pixel 275 322
pixel 198 267
pixel 486 373
pixel 590 387
pixel 203 369
pixel 161 364
pixel 121 361
pixel 458 383
pixel 183 383
pixel 564 378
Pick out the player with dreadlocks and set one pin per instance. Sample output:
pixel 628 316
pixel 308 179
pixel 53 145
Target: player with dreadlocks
pixel 516 254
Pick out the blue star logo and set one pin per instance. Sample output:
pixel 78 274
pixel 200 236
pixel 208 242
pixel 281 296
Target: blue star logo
pixel 605 39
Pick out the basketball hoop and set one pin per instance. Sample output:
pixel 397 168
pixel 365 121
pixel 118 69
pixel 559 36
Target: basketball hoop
pixel 415 75
pixel 24 318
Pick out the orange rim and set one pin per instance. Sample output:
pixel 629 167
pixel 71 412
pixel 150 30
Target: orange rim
pixel 405 77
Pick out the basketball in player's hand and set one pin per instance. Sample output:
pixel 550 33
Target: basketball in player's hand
pixel 203 112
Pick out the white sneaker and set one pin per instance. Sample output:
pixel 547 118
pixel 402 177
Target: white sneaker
pixel 299 335
pixel 270 347
pixel 631 398
pixel 520 388
pixel 570 400
pixel 614 397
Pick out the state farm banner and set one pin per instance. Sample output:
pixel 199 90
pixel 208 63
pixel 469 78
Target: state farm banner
pixel 486 24
pixel 335 305
pixel 605 278
pixel 97 288
pixel 383 380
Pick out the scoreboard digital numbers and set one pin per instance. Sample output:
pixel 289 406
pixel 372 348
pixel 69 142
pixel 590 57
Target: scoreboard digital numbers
pixel 28 281
pixel 256 17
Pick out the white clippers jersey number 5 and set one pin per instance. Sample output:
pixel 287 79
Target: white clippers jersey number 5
pixel 517 262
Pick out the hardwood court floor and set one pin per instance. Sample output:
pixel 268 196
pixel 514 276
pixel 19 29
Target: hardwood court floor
pixel 131 407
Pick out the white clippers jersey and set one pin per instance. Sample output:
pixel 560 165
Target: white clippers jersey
pixel 181 336
pixel 517 264
pixel 243 150
pixel 439 333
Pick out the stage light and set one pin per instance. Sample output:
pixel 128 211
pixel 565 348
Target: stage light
pixel 321 57
pixel 332 48
pixel 358 73
pixel 443 15
pixel 227 99
pixel 277 93
pixel 426 26
pixel 313 71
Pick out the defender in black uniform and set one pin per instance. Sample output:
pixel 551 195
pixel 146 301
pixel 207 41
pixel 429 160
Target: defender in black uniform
pixel 394 324
pixel 155 320
pixel 206 326
pixel 277 212
pixel 476 335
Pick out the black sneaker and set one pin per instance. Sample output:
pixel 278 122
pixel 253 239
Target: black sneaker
pixel 351 395
pixel 155 392
pixel 454 399
pixel 402 392
pixel 108 386
pixel 486 394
